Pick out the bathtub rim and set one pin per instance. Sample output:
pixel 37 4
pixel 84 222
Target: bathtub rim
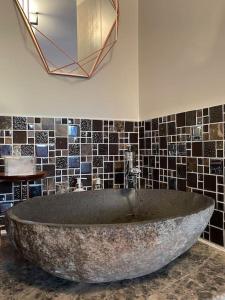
pixel 209 204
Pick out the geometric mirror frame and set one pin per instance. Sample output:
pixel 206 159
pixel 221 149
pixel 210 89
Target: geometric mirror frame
pixel 72 37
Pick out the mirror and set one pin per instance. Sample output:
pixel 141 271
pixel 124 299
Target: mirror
pixel 72 37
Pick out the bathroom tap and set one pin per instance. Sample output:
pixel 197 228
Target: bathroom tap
pixel 131 172
pixel 98 185
pixel 79 186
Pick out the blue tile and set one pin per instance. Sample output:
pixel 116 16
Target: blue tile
pixel 4 206
pixel 85 168
pixel 74 162
pixel 2 197
pixel 73 131
pixel 34 191
pixel 5 150
pixel 42 150
pixel 9 197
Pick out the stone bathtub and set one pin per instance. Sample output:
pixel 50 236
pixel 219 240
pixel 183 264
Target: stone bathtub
pixel 107 235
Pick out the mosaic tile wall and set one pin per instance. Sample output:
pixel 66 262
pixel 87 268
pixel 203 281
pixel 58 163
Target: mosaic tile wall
pixel 65 149
pixel 186 152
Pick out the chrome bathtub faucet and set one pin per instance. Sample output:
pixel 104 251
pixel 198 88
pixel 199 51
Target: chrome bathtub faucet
pixel 132 174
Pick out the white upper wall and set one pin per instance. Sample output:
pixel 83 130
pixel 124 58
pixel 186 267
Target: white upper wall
pixel 26 89
pixel 181 55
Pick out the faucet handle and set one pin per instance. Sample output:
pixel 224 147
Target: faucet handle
pixel 136 171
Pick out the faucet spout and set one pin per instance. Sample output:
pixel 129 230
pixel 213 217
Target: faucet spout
pixel 131 173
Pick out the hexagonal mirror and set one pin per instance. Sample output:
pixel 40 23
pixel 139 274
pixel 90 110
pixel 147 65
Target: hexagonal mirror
pixel 72 37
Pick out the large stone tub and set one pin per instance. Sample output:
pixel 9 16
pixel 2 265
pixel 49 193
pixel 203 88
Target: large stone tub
pixel 107 235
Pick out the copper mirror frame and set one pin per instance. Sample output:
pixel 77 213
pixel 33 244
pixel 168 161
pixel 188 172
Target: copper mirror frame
pixel 87 63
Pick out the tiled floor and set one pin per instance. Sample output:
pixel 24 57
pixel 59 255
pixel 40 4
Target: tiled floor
pixel 198 274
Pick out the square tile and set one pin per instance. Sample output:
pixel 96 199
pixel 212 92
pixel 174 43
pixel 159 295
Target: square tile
pixel 19 137
pixel 5 123
pixel 19 123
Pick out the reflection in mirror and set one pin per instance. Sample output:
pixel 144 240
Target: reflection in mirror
pixel 71 36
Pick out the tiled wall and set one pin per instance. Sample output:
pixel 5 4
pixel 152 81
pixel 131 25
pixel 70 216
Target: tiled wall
pixel 186 152
pixel 183 151
pixel 66 149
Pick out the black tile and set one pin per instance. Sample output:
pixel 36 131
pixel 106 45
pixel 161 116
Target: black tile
pixel 147 125
pixel 145 173
pixel 163 142
pixel 181 171
pixel 197 149
pixel 155 124
pixel 192 180
pixel 180 120
pixel 129 126
pixel 217 219
pixel 181 149
pixel 163 162
pixel 50 169
pixel 141 132
pixel 97 162
pixel 216 114
pixel 171 128
pixel 210 183
pixel 133 138
pixel 108 167
pixel 155 174
pixel 19 137
pixel 209 149
pixel 113 149
pixel 191 118
pixel 97 125
pixel 148 143
pixel 102 149
pixel 172 163
pixel 163 129
pixel 142 143
pixel 5 187
pixel 119 178
pixel 108 184
pixel 216 236
pixel 37 120
pixel 113 138
pixel 61 143
pixel 181 184
pixel 205 112
pixel 172 183
pixel 155 184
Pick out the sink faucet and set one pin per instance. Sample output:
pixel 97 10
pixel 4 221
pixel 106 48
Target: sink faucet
pixel 131 172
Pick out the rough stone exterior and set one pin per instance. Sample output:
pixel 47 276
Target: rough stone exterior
pixel 107 252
